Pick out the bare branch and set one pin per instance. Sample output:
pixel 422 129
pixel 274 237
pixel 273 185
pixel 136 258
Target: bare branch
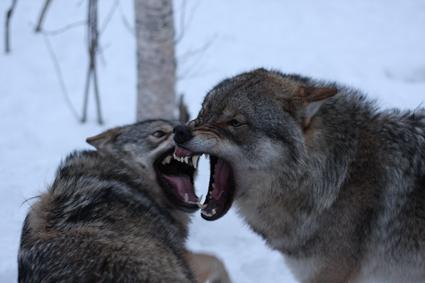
pixel 46 5
pixel 198 50
pixel 64 28
pixel 9 14
pixel 92 34
pixel 97 97
pixel 185 20
pixel 109 16
pixel 185 57
pixel 86 96
pixel 60 76
pixel 126 23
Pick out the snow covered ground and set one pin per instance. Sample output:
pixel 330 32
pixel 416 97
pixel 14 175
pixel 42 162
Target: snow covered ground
pixel 377 46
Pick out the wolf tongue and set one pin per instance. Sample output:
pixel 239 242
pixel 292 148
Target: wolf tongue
pixel 183 186
pixel 221 177
pixel 219 195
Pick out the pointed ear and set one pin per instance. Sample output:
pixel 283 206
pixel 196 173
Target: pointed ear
pixel 104 141
pixel 184 115
pixel 311 99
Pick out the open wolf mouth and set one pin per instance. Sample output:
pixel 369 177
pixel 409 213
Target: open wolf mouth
pixel 175 175
pixel 221 186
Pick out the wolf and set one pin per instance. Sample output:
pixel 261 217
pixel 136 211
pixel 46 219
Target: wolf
pixel 117 214
pixel 319 171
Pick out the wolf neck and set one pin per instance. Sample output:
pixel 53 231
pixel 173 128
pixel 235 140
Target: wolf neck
pixel 288 211
pixel 101 182
pixel 151 188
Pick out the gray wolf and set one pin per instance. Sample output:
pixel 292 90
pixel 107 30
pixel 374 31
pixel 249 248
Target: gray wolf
pixel 315 168
pixel 117 214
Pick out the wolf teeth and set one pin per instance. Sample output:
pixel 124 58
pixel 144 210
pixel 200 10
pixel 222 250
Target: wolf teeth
pixel 213 212
pixel 190 160
pixel 167 160
pixel 195 160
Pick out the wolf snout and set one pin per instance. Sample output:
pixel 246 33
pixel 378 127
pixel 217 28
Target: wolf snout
pixel 182 134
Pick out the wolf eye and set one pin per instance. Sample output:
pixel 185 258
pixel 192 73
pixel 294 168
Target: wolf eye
pixel 235 123
pixel 158 134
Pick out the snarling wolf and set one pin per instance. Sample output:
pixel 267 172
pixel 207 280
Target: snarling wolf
pixel 116 214
pixel 315 168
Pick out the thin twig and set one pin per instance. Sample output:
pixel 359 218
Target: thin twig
pixel 200 52
pixel 60 76
pixel 46 5
pixel 109 16
pixel 97 97
pixel 185 20
pixel 65 28
pixel 196 51
pixel 101 51
pixel 105 24
pixel 92 35
pixel 86 96
pixel 9 14
pixel 181 29
pixel 126 22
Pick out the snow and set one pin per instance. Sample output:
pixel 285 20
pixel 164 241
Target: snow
pixel 376 46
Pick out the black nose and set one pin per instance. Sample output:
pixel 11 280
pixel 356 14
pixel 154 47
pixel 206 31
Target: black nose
pixel 182 134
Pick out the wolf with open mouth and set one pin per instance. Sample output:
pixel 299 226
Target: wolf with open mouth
pixel 118 214
pixel 319 172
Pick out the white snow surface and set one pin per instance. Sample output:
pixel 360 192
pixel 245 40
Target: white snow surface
pixel 376 46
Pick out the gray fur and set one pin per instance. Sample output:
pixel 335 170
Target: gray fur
pixel 105 218
pixel 335 184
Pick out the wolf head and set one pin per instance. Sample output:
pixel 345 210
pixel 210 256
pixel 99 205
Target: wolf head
pixel 249 124
pixel 147 147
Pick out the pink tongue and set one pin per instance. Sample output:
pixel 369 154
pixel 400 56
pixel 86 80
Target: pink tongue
pixel 183 185
pixel 221 177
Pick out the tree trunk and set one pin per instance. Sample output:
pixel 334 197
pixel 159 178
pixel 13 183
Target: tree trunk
pixel 156 63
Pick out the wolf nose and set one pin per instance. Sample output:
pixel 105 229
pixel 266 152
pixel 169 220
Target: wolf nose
pixel 182 134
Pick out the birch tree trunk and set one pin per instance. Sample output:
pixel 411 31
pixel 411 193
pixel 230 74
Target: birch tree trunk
pixel 156 63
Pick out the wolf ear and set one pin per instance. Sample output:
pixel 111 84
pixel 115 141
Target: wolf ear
pixel 104 141
pixel 311 98
pixel 184 115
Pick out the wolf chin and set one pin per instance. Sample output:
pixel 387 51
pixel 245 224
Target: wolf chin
pixel 317 170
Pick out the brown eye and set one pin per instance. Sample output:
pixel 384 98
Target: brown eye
pixel 234 123
pixel 158 134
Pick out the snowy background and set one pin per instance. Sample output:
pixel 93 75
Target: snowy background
pixel 377 46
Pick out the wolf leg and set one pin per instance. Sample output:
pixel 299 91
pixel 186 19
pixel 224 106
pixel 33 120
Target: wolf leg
pixel 207 268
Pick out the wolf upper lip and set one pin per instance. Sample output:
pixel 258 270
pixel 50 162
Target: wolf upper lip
pixel 189 160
